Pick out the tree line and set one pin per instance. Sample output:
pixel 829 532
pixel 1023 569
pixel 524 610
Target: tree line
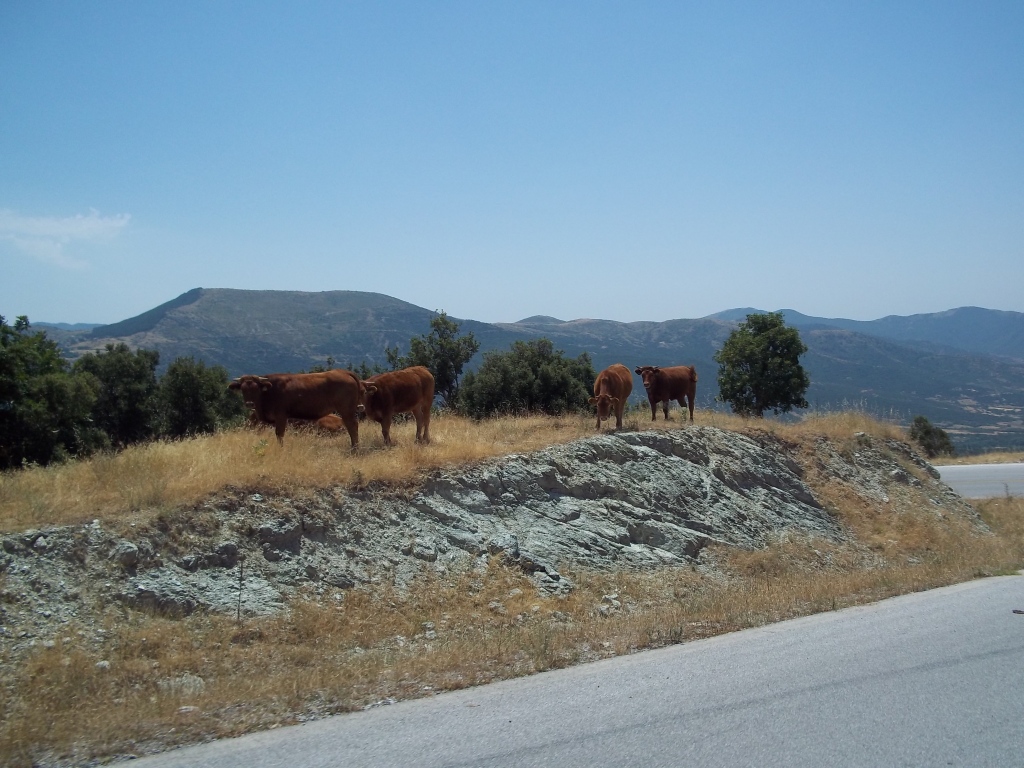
pixel 52 410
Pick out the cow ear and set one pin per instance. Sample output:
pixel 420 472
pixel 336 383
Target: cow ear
pixel 639 371
pixel 614 400
pixel 592 400
pixel 370 389
pixel 655 369
pixel 266 386
pixel 236 384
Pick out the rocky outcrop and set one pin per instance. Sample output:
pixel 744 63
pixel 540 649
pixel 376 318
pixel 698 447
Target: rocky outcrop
pixel 633 500
pixel 624 500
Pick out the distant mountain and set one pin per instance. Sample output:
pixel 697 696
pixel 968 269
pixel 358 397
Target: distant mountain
pixel 968 329
pixel 930 369
pixel 65 326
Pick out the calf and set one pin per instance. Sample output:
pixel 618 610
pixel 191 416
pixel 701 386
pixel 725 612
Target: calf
pixel 326 425
pixel 677 383
pixel 277 397
pixel 611 390
pixel 410 390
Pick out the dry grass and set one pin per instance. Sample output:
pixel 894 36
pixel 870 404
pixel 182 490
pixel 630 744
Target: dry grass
pixel 177 681
pixel 161 475
pixel 1013 457
pixel 170 473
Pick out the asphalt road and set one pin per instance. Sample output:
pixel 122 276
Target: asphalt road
pixel 930 679
pixel 984 481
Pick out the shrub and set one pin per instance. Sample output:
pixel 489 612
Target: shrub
pixel 194 399
pixel 530 378
pixel 933 441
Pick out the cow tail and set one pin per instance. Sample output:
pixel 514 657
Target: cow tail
pixel 694 370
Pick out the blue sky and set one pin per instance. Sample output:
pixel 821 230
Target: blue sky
pixel 619 160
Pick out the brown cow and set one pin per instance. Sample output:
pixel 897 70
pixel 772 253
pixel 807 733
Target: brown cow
pixel 611 389
pixel 410 390
pixel 325 425
pixel 677 383
pixel 277 397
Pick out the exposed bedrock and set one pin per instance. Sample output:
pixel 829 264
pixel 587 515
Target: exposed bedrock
pixel 617 500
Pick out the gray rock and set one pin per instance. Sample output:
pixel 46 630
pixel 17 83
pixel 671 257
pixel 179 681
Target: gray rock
pixel 126 554
pixel 468 542
pixel 162 591
pixel 424 549
pixel 505 543
pixel 226 554
pixel 281 534
pixel 339 579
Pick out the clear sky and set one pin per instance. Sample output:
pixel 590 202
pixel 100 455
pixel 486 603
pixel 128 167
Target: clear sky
pixel 619 160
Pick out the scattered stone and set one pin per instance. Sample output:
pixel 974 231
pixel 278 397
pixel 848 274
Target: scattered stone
pixel 126 554
pixel 281 534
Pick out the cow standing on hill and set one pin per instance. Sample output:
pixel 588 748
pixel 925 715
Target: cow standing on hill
pixel 278 397
pixel 410 390
pixel 677 383
pixel 611 390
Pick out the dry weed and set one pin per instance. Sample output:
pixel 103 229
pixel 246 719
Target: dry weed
pixel 995 457
pixel 161 475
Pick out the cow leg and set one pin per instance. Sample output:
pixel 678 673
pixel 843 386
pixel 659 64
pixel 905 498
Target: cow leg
pixel 352 425
pixel 620 406
pixel 280 424
pixel 418 415
pixel 654 409
pixel 385 428
pixel 690 405
pixel 425 411
pixel 664 406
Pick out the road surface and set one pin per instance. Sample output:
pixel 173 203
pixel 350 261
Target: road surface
pixel 984 481
pixel 930 679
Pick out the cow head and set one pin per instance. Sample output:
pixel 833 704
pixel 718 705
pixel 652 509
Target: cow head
pixel 604 404
pixel 367 389
pixel 252 389
pixel 649 373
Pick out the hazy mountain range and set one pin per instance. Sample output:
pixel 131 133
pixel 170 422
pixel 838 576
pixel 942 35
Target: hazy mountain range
pixel 963 368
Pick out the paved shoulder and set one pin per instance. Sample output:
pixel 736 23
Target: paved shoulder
pixel 927 679
pixel 984 481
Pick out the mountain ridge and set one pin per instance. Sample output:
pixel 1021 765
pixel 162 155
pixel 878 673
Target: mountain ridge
pixel 976 394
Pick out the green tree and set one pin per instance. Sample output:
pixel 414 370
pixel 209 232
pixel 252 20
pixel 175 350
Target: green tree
pixel 365 371
pixel 194 399
pixel 933 440
pixel 444 352
pixel 44 407
pixel 125 408
pixel 531 377
pixel 759 367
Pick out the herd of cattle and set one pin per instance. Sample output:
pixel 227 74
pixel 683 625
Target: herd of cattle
pixel 333 399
